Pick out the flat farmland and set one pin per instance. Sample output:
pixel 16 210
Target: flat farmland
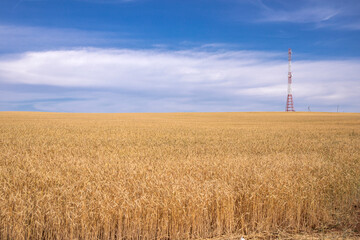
pixel 178 175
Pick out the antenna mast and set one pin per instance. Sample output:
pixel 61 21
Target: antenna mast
pixel 289 101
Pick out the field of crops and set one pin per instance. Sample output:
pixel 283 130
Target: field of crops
pixel 178 175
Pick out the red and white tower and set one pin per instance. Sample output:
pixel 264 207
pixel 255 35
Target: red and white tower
pixel 289 101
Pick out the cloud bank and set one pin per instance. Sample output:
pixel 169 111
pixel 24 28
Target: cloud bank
pixel 125 80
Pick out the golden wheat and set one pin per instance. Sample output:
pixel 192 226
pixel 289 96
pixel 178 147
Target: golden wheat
pixel 177 175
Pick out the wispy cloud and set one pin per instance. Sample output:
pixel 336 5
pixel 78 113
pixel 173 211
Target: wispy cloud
pixel 307 12
pixel 19 2
pixel 349 26
pixel 332 14
pixel 24 38
pixel 124 80
pixel 306 15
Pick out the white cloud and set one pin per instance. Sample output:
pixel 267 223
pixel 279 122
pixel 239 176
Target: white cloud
pixel 302 11
pixel 24 38
pixel 133 68
pixel 118 80
pixel 322 13
pixel 331 14
pixel 349 26
pixel 304 15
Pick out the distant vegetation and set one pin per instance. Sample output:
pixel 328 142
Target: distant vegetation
pixel 178 175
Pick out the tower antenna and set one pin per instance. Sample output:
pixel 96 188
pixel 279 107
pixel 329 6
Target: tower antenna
pixel 289 101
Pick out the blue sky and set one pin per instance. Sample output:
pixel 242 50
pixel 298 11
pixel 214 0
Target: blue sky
pixel 175 56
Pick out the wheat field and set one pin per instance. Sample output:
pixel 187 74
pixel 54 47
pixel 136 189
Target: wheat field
pixel 178 175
